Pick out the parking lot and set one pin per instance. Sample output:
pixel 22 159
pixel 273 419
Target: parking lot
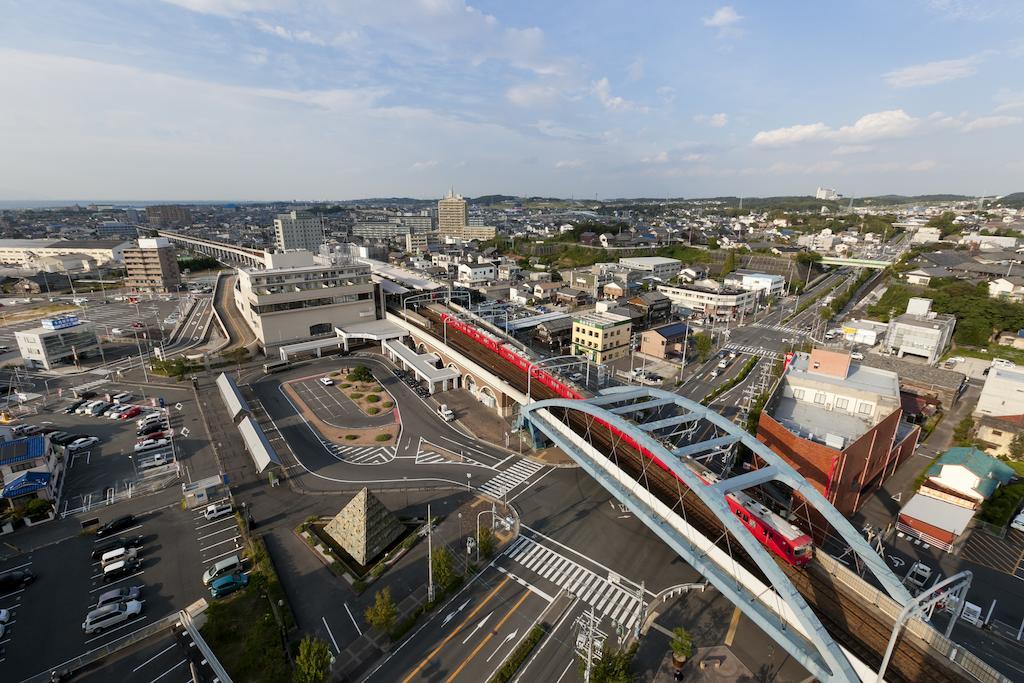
pixel 333 407
pixel 1002 554
pixel 150 312
pixel 165 658
pixel 46 624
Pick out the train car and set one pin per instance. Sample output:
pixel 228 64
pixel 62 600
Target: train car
pixel 775 533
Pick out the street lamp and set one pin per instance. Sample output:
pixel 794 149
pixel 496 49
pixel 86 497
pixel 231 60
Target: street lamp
pixel 469 477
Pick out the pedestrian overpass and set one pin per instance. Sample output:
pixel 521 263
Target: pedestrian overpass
pixel 854 262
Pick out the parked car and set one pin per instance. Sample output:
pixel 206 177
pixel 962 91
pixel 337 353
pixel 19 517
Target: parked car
pixel 75 405
pixel 83 443
pixel 65 438
pixel 123 397
pixel 576 376
pixel 152 428
pixel 228 565
pixel 116 595
pixel 113 544
pixel 151 435
pixel 445 413
pixel 131 412
pixel 110 615
pixel 114 412
pixel 118 555
pixel 918 576
pixel 149 417
pixel 115 525
pixel 157 460
pixel 151 444
pixel 327 381
pixel 1003 363
pixel 119 570
pixel 857 355
pixel 226 585
pixel 15 579
pixel 1018 522
pixel 98 410
pixel 217 510
pixel 54 435
pixel 86 407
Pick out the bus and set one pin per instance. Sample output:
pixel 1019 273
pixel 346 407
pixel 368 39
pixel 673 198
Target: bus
pixel 275 366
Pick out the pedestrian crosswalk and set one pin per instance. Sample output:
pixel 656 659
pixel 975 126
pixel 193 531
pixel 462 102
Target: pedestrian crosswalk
pixel 780 328
pixel 608 598
pixel 510 478
pixel 753 351
pixel 363 455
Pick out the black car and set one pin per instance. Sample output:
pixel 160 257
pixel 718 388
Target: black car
pixel 65 439
pixel 87 395
pixel 115 543
pixel 123 569
pixel 116 525
pixel 74 406
pixel 13 580
pixel 152 429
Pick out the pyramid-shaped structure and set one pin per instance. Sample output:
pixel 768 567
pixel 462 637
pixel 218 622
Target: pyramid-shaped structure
pixel 364 527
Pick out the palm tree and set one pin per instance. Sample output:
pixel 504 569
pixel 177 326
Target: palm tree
pixel 682 646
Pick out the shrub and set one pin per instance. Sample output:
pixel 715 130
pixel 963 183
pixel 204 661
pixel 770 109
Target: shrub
pixel 373 398
pixel 345 385
pixel 37 507
pixel 351 377
pixel 355 395
pixel 372 410
pixel 351 437
pixel 387 404
pixel 383 437
pixel 377 570
pixel 361 374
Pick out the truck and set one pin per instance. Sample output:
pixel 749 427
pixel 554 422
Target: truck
pixel 918 576
pixel 445 413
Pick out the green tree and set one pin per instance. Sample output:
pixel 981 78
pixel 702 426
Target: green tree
pixel 730 262
pixel 682 643
pixel 382 613
pixel 703 341
pixel 611 666
pixel 361 374
pixel 963 432
pixel 485 539
pixel 825 312
pixel 444 572
pixel 313 662
pixel 1017 446
pixel 712 243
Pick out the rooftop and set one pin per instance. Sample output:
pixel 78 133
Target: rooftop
pixel 601 319
pixel 856 376
pixel 650 261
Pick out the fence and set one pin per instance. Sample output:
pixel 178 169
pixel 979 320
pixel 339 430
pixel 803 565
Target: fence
pixel 935 641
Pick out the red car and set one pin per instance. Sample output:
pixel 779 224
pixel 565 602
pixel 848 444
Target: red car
pixel 131 412
pixel 137 326
pixel 154 435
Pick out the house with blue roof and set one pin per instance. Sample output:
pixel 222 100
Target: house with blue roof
pixel 29 468
pixel 966 476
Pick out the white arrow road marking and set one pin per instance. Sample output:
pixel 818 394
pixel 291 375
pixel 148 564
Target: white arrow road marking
pixel 509 637
pixel 477 627
pixel 452 615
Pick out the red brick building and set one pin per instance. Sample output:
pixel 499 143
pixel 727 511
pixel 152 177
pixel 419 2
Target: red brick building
pixel 839 424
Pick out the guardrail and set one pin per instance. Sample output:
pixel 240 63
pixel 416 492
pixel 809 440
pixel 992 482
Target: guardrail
pixel 211 659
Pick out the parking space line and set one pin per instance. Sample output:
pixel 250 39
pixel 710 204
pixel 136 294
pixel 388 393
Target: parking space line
pixel 229 540
pixel 217 557
pixel 233 527
pixel 116 628
pixel 11 569
pixel 123 531
pixel 169 671
pixel 106 586
pixel 216 521
pixel 4 597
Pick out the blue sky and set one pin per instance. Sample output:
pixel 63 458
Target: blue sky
pixel 338 99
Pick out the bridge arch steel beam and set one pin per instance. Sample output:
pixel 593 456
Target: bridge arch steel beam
pixel 785 473
pixel 818 652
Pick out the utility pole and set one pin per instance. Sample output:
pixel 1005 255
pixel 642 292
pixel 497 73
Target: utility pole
pixel 590 639
pixel 430 562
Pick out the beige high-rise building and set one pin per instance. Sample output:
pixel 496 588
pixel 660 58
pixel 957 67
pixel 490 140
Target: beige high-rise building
pixel 299 230
pixel 152 266
pixel 452 216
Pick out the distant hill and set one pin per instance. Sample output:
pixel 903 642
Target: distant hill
pixel 914 199
pixel 1013 201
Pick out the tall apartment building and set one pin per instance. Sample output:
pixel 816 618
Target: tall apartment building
pixel 601 337
pixel 299 230
pixel 452 216
pixel 168 215
pixel 152 266
pixel 293 299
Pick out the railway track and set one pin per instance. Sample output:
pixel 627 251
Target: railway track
pixel 850 622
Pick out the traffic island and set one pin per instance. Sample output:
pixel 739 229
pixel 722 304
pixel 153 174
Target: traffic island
pixel 349 436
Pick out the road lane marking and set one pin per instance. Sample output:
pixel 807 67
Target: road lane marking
pixel 359 630
pixel 469 618
pixel 333 641
pixel 488 637
pixel 172 645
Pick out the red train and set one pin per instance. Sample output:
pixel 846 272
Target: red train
pixel 775 533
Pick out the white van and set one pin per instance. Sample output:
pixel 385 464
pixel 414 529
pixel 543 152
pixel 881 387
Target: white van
pixel 110 615
pixel 1018 522
pixel 117 555
pixel 228 565
pixel 445 413
pixel 217 510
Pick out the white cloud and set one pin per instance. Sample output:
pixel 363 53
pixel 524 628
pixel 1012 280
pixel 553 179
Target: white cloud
pixel 713 120
pixel 555 130
pixel 569 163
pixel 532 95
pixel 1009 99
pixel 931 73
pixel 659 158
pixel 875 126
pixel 667 93
pixel 986 122
pixel 226 8
pixel 291 35
pixel 602 89
pixel 780 137
pixel 424 165
pixel 723 17
pixel 845 150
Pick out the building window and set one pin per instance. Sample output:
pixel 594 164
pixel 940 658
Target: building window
pixel 864 408
pixel 996 432
pixel 819 398
pixel 842 403
pixel 798 394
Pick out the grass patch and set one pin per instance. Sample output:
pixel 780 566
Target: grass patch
pixel 737 378
pixel 372 398
pixel 344 385
pixel 511 666
pixel 1000 508
pixel 383 437
pixel 387 404
pixel 372 410
pixel 351 437
pixel 242 631
pixel 355 395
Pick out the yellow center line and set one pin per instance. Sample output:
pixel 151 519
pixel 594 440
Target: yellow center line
pixel 451 635
pixel 490 635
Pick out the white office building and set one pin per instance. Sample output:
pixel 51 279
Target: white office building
pixel 476 273
pixel 58 341
pixel 299 230
pixel 920 331
pixel 1003 393
pixel 765 284
pixel 656 266
pixel 711 299
pixel 294 299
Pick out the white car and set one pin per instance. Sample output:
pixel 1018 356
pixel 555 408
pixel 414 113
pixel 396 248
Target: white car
pixel 857 355
pixel 110 615
pixel 149 418
pixel 217 510
pixel 1018 522
pixel 327 381
pixel 115 412
pixel 123 397
pixel 151 444
pixel 84 442
pixel 1003 363
pixel 158 460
